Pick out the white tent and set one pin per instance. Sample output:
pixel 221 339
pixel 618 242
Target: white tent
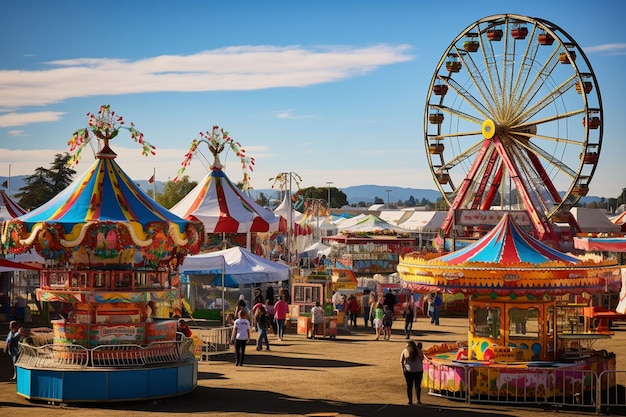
pixel 368 223
pixel 316 249
pixel 424 221
pixel 232 267
pixel 237 265
pixel 593 220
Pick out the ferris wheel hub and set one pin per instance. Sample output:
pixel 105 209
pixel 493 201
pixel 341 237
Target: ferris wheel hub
pixel 488 128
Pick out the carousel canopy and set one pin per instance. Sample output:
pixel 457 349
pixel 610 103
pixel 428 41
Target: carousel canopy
pixel 224 208
pixel 9 209
pixel 508 262
pixel 297 227
pixel 102 217
pixel 505 244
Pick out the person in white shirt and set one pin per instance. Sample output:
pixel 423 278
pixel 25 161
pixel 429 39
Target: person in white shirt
pixel 240 336
pixel 317 319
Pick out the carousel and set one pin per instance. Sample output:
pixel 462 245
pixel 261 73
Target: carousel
pixel 111 256
pixel 525 301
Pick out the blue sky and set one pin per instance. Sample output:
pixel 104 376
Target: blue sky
pixel 331 90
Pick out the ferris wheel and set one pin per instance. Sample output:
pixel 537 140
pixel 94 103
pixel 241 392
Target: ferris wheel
pixel 514 119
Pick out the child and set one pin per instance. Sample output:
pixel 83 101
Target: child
pixel 387 321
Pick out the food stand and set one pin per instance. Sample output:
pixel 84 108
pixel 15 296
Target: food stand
pixel 306 291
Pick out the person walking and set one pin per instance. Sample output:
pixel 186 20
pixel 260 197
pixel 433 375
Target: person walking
pixel 262 323
pixel 411 360
pixel 353 308
pixel 366 306
pixel 409 316
pixel 378 313
pixel 240 336
pixel 271 323
pixel 280 315
pixel 12 346
pixel 436 309
pixel 317 319
pixel 387 321
pixel 346 312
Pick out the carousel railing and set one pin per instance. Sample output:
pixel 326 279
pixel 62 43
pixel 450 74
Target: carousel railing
pixel 106 356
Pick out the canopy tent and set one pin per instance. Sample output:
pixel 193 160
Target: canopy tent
pixel 593 220
pixel 285 211
pixel 367 223
pixel 600 244
pixel 316 249
pixel 238 266
pixel 232 267
pixel 9 209
pixel 424 221
pixel 223 208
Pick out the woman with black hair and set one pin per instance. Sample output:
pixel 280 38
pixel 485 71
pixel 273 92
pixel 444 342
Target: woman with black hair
pixel 411 360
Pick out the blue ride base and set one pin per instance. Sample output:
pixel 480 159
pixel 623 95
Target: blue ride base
pixel 107 384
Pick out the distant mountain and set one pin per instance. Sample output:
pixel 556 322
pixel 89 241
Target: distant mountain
pixel 367 193
pixel 355 194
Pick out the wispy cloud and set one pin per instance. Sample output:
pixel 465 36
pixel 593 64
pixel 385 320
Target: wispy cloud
pixel 288 114
pixel 610 48
pixel 22 119
pixel 239 68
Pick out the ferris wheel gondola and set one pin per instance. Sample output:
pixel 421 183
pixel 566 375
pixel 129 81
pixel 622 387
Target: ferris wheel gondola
pixel 513 118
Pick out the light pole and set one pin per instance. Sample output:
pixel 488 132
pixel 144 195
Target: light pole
pixel 9 182
pixel 388 191
pixel 329 183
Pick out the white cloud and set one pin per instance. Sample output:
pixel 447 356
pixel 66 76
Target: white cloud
pixel 22 119
pixel 612 48
pixel 240 68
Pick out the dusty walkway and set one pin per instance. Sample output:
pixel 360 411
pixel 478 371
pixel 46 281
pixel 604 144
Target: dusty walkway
pixel 351 376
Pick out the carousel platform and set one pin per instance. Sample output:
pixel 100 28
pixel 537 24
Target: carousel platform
pixel 106 384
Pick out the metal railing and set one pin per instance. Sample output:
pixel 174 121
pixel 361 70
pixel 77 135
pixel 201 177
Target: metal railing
pixel 215 341
pixel 109 356
pixel 551 386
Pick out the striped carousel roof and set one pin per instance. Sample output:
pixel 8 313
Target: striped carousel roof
pixel 507 261
pixel 505 244
pixel 9 209
pixel 223 208
pixel 104 193
pixel 103 217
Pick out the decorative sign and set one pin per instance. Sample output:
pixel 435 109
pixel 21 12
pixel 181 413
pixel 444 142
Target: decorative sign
pixel 489 217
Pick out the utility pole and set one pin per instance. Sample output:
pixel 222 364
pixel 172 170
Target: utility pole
pixel 329 183
pixel 388 191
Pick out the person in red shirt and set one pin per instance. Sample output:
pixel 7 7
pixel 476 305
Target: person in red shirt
pixel 353 308
pixel 183 328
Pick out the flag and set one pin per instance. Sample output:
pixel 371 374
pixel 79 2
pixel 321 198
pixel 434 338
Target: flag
pixel 5 184
pixel 151 180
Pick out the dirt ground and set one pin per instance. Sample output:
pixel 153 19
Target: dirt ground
pixel 353 375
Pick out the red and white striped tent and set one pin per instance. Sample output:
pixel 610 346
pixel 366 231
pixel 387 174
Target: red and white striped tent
pixel 9 209
pixel 224 208
pixel 620 220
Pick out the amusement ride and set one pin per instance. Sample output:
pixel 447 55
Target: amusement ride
pixel 514 113
pixel 111 257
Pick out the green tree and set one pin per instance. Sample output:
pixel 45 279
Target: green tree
pixel 378 200
pixel 46 183
pixel 173 192
pixel 262 200
pixel 338 198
